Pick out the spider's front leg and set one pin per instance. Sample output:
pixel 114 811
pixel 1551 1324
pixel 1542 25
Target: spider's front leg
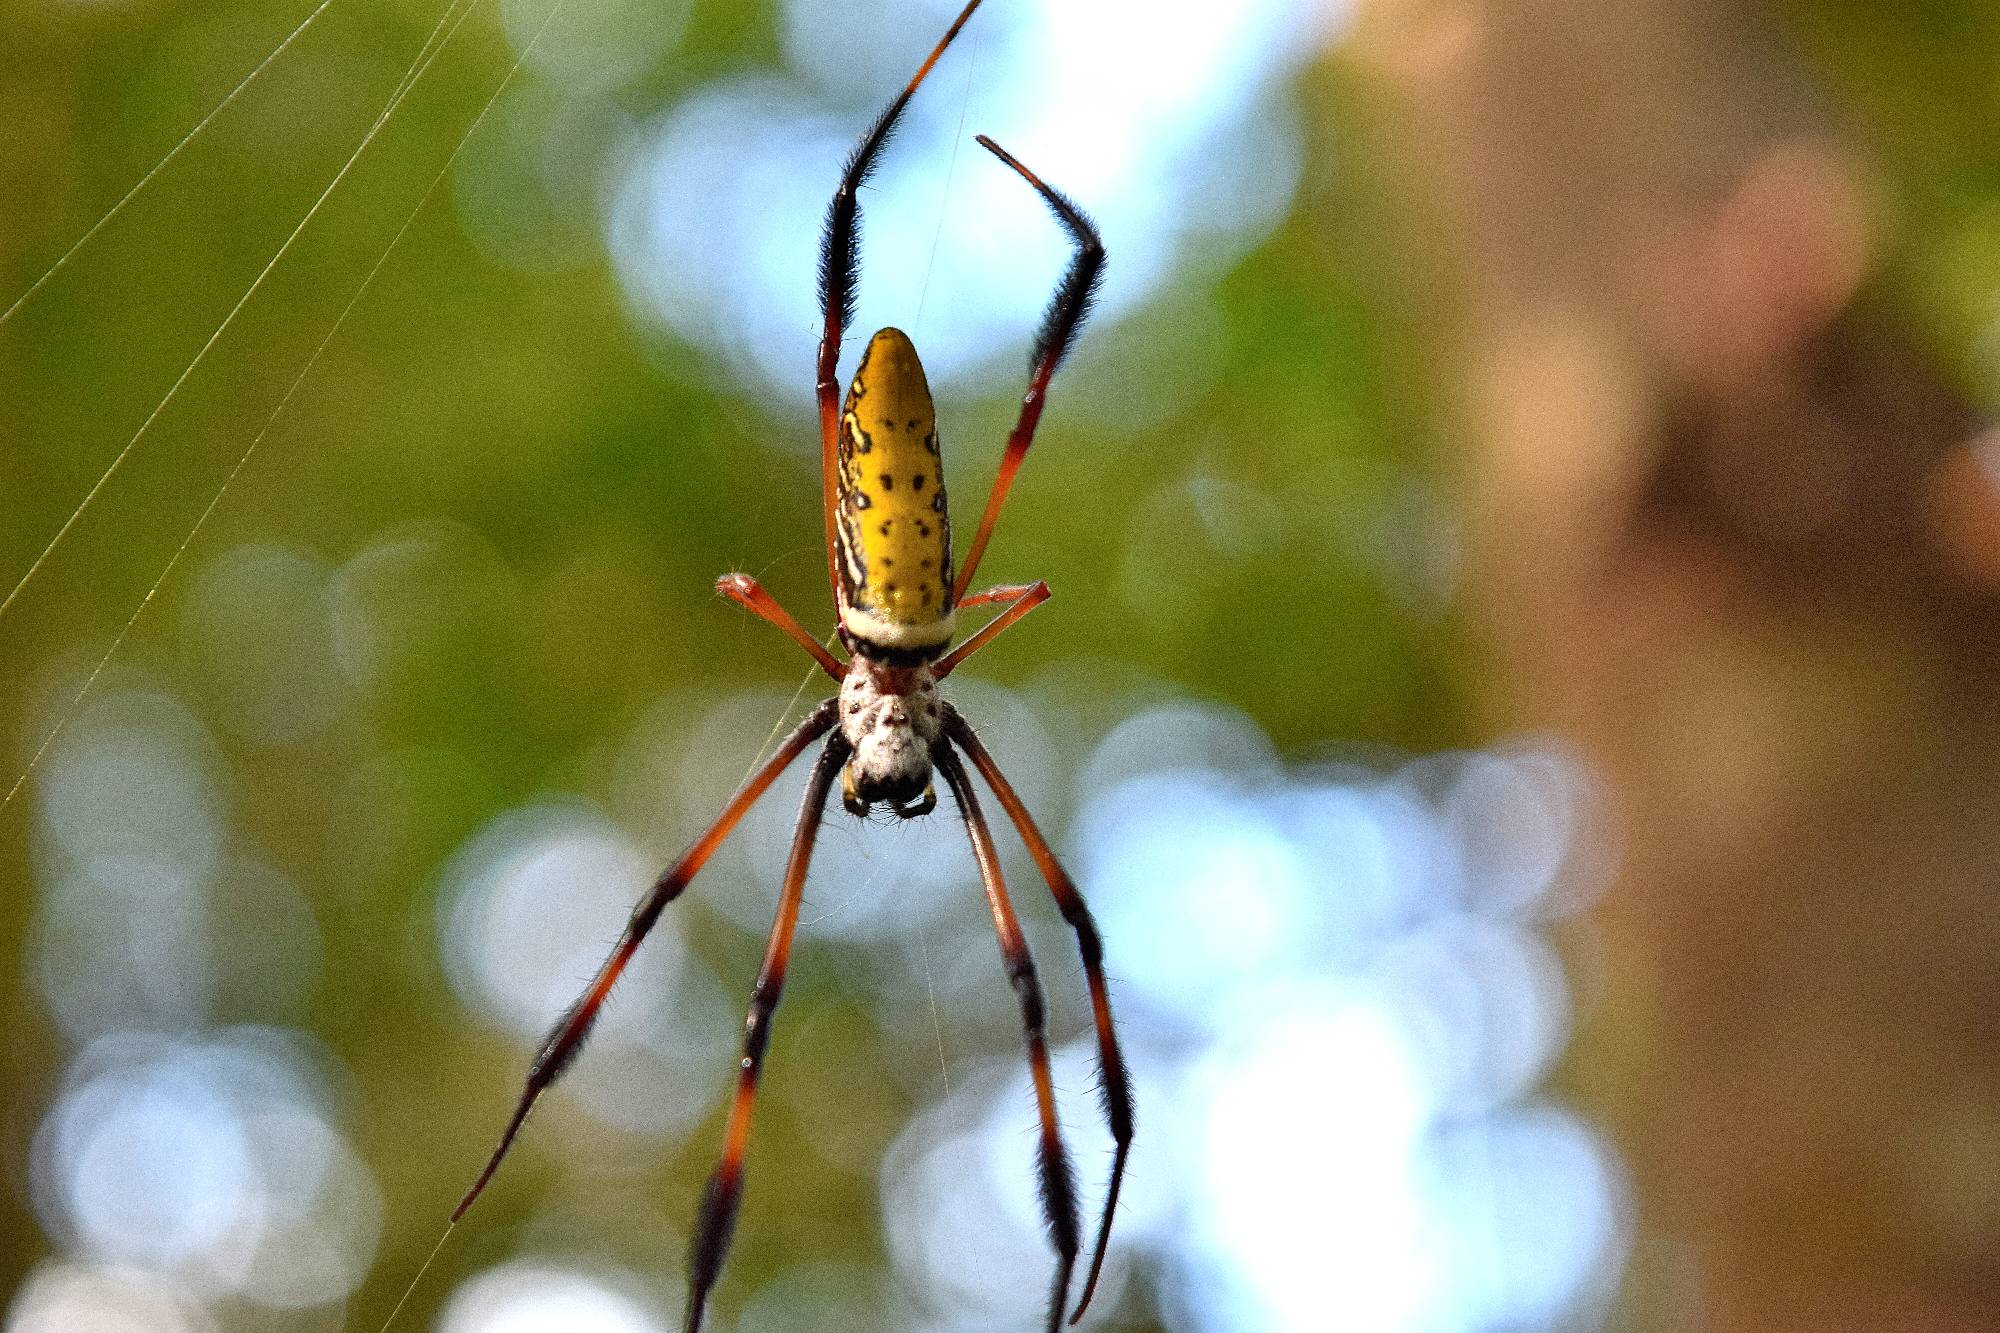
pixel 715 1224
pixel 1114 1083
pixel 1058 1176
pixel 573 1028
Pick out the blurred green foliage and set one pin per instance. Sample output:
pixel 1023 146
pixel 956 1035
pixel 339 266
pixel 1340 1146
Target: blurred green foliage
pixel 576 487
pixel 1918 80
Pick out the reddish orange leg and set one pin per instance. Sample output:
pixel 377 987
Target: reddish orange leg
pixel 1005 594
pixel 1019 598
pixel 715 1224
pixel 1114 1085
pixel 749 594
pixel 839 274
pixel 1067 311
pixel 1058 1177
pixel 569 1033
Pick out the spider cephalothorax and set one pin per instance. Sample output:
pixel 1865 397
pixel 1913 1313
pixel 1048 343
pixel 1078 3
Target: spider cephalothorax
pixel 892 717
pixel 889 561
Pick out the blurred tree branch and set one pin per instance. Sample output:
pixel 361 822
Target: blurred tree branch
pixel 1734 530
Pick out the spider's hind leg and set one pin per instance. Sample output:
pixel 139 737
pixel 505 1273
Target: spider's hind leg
pixel 1067 310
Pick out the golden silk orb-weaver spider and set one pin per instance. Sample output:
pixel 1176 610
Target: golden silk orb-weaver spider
pixel 889 560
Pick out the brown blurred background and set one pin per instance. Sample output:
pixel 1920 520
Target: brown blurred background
pixel 1719 292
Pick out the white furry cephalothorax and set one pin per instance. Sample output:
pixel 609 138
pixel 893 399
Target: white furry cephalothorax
pixel 892 717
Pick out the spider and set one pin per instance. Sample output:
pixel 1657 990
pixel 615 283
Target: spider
pixel 889 561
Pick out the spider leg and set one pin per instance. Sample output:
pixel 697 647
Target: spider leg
pixel 839 271
pixel 715 1224
pixel 749 594
pixel 1067 310
pixel 1000 594
pixel 1058 1177
pixel 1114 1085
pixel 1019 598
pixel 567 1037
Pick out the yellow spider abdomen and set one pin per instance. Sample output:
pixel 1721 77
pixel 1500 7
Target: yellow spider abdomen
pixel 893 531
